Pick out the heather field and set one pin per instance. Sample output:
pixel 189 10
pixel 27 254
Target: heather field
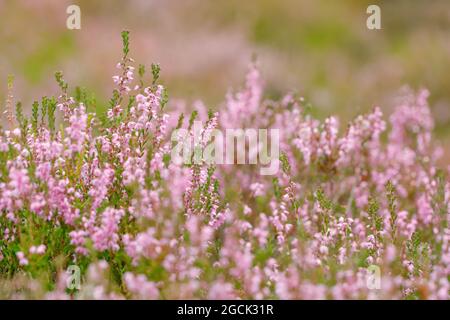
pixel 253 158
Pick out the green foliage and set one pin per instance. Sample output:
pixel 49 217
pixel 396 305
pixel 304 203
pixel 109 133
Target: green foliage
pixel 23 122
pixel 49 104
pixel 35 116
pixel 125 42
pixel 60 80
pixel 164 98
pixel 180 121
pixel 82 95
pixel 392 206
pixel 114 101
pixel 373 209
pixel 155 72
pixel 194 115
pixel 324 202
pixel 285 166
pixel 141 70
pixel 276 188
pixel 418 251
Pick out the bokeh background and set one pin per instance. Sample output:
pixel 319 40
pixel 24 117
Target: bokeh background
pixel 320 49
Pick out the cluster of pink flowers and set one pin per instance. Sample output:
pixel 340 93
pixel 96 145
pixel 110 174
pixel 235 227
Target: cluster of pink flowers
pixel 104 194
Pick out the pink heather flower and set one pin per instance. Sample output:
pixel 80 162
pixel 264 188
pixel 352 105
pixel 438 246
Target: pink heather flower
pixel 38 249
pixel 221 291
pixel 257 189
pixel 323 249
pixel 364 129
pixel 311 291
pixel 77 131
pixel 328 137
pixel 409 265
pixel 106 235
pixel 134 171
pixel 245 103
pixel 390 253
pixel 361 194
pixel 16 132
pixel 125 79
pixel 41 249
pixel 22 260
pixel 140 287
pixel 102 180
pixel 78 239
pixel 306 141
pixel 144 245
pixel 412 116
pixel 424 210
pixel 200 235
pixel 19 183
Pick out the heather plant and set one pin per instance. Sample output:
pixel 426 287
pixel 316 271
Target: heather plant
pixel 101 192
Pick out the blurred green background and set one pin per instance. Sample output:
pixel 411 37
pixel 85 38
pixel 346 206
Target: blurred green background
pixel 320 49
